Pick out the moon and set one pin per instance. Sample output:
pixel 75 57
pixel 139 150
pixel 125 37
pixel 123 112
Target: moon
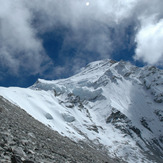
pixel 87 3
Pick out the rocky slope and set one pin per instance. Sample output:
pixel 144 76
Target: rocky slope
pixel 113 105
pixel 26 140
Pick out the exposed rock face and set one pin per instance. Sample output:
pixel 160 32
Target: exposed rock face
pixel 120 121
pixel 25 140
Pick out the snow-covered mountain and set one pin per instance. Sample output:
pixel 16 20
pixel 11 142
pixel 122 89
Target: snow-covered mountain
pixel 115 105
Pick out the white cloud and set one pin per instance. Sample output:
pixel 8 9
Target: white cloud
pixel 74 12
pixel 89 25
pixel 22 20
pixel 19 48
pixel 149 42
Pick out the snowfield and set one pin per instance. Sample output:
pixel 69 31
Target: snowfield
pixel 115 105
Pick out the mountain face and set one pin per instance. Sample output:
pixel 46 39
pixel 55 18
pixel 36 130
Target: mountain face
pixel 114 106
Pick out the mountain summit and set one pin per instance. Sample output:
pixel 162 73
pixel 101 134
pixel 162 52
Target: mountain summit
pixel 114 106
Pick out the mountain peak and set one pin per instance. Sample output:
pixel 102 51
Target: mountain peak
pixel 114 105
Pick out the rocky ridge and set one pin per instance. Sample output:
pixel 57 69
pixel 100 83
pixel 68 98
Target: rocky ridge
pixel 25 140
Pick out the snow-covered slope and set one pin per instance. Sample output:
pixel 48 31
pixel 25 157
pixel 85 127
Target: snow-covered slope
pixel 115 105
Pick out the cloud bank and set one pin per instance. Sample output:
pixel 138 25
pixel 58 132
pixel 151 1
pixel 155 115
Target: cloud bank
pixel 96 29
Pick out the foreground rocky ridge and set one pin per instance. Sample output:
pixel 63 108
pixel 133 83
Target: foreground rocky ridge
pixel 26 140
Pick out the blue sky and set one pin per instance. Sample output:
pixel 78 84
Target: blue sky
pixel 56 38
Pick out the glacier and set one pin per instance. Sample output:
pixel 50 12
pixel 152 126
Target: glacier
pixel 114 105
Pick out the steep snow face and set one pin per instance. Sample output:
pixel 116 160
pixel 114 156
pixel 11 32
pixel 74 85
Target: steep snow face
pixel 115 105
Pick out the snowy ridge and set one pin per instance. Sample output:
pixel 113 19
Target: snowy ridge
pixel 115 105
